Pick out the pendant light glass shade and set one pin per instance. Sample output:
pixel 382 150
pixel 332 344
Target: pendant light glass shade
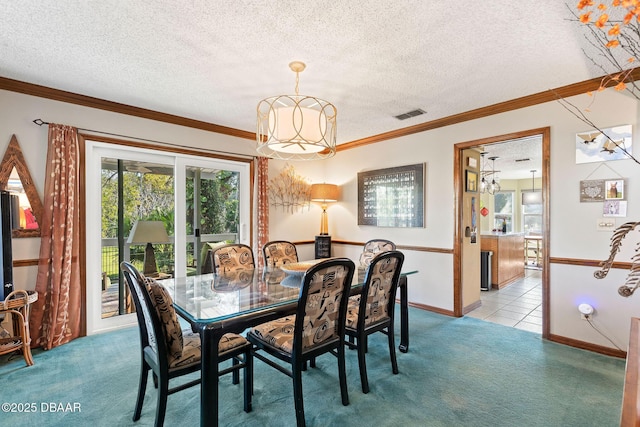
pixel 296 127
pixel 532 197
pixel 493 186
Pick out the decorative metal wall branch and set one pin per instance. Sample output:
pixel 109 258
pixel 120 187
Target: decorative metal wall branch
pixel 633 279
pixel 289 190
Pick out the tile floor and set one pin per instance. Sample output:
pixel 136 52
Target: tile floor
pixel 518 305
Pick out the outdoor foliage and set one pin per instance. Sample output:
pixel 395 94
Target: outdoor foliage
pixel 146 196
pixel 150 196
pixel 218 204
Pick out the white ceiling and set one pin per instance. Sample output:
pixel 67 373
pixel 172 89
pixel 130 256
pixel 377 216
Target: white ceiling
pixel 515 159
pixel 374 59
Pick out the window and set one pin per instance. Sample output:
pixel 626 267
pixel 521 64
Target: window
pixel 503 208
pixel 197 199
pixel 532 217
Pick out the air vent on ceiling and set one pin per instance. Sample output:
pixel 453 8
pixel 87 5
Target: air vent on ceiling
pixel 523 160
pixel 410 114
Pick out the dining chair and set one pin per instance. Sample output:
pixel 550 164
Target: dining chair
pixel 373 247
pixel 169 352
pixel 374 310
pixel 315 329
pixel 232 257
pixel 278 252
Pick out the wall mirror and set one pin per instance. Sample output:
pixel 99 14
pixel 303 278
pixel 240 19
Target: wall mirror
pixel 15 177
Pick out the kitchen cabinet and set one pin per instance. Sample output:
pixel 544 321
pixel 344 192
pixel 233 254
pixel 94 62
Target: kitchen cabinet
pixel 507 261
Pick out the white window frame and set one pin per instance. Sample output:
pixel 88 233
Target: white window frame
pixel 94 153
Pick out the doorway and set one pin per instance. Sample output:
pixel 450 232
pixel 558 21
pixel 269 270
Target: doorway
pixel 512 214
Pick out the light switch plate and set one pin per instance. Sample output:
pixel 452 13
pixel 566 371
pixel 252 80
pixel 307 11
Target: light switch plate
pixel 606 224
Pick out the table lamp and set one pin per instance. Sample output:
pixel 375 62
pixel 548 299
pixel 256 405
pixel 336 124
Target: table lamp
pixel 148 232
pixel 324 194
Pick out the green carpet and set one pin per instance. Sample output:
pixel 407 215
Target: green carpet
pixel 458 372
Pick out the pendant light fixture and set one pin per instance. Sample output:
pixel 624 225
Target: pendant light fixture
pixel 296 127
pixel 532 197
pixel 493 187
pixel 483 182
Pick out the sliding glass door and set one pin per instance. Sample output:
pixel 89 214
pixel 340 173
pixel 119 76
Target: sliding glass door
pixel 216 209
pixel 159 211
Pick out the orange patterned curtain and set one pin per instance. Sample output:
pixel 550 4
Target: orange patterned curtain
pixel 56 315
pixel 263 207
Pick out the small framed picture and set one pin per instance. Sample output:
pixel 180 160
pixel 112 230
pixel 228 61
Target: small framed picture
pixel 472 162
pixel 614 189
pixel 615 208
pixel 471 182
pixel 592 190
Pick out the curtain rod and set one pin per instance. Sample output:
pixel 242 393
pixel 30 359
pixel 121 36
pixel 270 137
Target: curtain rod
pixel 41 122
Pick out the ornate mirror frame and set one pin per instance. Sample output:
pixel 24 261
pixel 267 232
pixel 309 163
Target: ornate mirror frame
pixel 13 158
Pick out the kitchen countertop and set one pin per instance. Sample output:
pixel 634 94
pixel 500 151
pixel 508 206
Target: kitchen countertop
pixel 500 233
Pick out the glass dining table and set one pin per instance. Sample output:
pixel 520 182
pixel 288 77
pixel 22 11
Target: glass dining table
pixel 216 304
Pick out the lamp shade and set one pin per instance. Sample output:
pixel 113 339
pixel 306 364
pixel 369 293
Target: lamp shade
pixel 324 193
pixel 532 198
pixel 148 232
pixel 296 127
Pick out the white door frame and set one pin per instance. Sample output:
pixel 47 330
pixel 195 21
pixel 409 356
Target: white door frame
pixel 94 153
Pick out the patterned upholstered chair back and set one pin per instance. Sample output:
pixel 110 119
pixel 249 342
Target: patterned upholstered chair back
pixel 381 284
pixel 322 304
pixel 169 352
pixel 234 280
pixel 374 247
pixel 279 252
pixel 232 257
pixel 148 320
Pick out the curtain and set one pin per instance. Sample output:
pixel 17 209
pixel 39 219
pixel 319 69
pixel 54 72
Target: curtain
pixel 263 207
pixel 56 315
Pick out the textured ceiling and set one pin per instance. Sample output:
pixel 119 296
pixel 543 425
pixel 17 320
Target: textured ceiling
pixel 515 159
pixel 213 61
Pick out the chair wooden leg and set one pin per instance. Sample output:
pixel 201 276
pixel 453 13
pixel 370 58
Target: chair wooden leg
pixel 362 364
pixel 236 373
pixel 392 350
pixel 142 387
pixel 297 395
pixel 342 373
pixel 248 380
pixel 26 340
pixel 26 352
pixel 163 393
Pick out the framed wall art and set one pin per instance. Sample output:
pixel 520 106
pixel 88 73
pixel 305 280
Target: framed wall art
pixel 615 208
pixel 392 197
pixel 610 144
pixel 471 181
pixel 592 190
pixel 614 189
pixel 472 162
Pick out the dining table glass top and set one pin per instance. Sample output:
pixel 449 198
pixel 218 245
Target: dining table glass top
pixel 215 297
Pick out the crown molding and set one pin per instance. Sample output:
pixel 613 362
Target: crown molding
pixel 115 107
pixel 501 107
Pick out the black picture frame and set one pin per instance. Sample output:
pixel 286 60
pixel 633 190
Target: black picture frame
pixel 471 181
pixel 392 197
